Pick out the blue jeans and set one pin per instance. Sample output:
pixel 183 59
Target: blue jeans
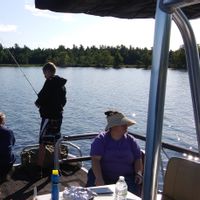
pixel 130 181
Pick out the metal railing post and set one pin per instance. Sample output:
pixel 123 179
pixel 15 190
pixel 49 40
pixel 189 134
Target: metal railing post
pixel 156 102
pixel 193 64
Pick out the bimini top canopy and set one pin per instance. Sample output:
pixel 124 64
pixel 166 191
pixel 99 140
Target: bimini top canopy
pixel 116 8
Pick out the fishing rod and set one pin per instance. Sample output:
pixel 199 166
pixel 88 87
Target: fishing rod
pixel 21 70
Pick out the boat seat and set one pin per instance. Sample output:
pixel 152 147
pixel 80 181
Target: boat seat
pixel 182 180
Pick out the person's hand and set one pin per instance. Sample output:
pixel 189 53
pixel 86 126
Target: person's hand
pixel 138 178
pixel 99 181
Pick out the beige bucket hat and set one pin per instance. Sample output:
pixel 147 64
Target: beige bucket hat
pixel 118 119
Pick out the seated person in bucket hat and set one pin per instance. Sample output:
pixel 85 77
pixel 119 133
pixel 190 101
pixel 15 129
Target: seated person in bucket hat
pixel 116 153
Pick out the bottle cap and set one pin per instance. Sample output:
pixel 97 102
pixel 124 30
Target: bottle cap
pixel 121 178
pixel 55 172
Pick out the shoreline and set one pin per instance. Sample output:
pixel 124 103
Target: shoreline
pixel 98 67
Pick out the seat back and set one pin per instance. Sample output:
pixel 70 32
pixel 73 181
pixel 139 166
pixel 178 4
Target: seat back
pixel 182 180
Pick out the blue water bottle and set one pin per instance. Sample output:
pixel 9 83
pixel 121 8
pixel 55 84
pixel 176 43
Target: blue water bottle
pixel 55 186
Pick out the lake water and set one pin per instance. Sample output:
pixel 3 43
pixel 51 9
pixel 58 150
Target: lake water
pixel 90 93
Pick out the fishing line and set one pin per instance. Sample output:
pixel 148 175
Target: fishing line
pixel 21 71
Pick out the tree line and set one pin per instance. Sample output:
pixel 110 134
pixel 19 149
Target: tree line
pixel 104 56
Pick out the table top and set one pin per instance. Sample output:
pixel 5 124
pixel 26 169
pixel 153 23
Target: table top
pixel 105 192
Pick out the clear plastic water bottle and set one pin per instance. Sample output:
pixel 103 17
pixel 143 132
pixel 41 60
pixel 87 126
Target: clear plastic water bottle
pixel 55 185
pixel 121 189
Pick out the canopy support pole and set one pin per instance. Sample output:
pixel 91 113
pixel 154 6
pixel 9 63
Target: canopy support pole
pixel 158 88
pixel 156 102
pixel 193 64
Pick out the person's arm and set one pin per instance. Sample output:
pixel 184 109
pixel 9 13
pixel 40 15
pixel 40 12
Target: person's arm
pixel 96 167
pixel 43 95
pixel 138 166
pixel 64 98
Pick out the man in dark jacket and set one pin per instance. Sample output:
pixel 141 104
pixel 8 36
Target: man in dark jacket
pixel 51 100
pixel 7 141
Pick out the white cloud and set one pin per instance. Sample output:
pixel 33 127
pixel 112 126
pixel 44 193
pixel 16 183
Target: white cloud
pixel 7 28
pixel 48 14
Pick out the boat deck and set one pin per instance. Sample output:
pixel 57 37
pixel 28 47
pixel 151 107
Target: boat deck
pixel 21 182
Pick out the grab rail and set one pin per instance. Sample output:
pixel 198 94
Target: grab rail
pixel 71 138
pixel 84 136
pixel 170 146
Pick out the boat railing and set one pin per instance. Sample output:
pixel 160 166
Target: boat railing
pixel 68 140
pixel 170 146
pixel 166 150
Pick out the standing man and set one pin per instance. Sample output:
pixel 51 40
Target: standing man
pixel 51 100
pixel 7 141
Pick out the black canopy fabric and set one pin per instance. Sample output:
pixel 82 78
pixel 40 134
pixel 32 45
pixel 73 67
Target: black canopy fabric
pixel 116 8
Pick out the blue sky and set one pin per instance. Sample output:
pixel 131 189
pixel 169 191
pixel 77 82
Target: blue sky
pixel 22 24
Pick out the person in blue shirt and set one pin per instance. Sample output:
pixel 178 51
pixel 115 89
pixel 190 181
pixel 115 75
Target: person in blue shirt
pixel 7 141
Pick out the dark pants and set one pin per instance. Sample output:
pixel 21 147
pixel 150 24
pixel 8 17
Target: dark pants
pixel 4 170
pixel 130 181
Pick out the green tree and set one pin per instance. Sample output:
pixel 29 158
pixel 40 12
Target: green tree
pixel 178 59
pixel 118 59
